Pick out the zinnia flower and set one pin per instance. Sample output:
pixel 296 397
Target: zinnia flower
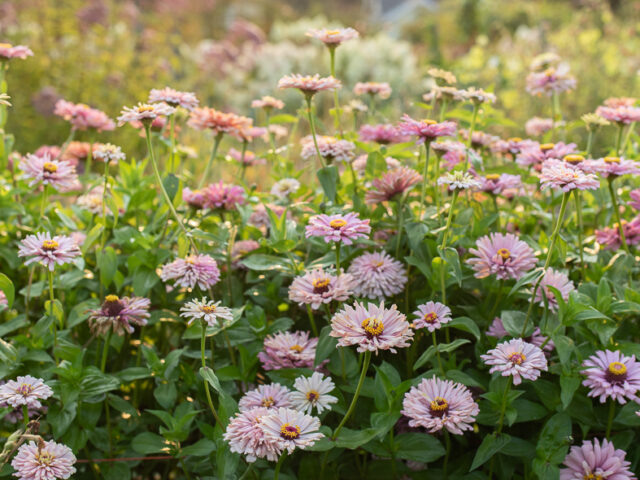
pixel 560 176
pixel 221 195
pixel 285 187
pixel 393 183
pixel 144 113
pixel 497 184
pixel 338 228
pixel 109 153
pixel 246 158
pixel 426 130
pixel 200 270
pixel 266 396
pixel 620 114
pixel 83 117
pixel 613 166
pixel 309 85
pixel 48 251
pixel 440 74
pixel 205 118
pixel 207 310
pixel 458 180
pixel 318 287
pixel 502 255
pixel 381 89
pixel 371 327
pixel 557 280
pixel 377 275
pixel 612 375
pixel 330 148
pixel 333 37
pixel 313 392
pixel 534 154
pixel 8 52
pixel 245 436
pixel 478 96
pixel 537 126
pixel 384 134
pixel 436 404
pixel 120 314
pixel 25 390
pixel 268 103
pixel 550 81
pixel 609 238
pixel 596 460
pixel 173 98
pixel 431 315
pixel 497 330
pixel 288 350
pixel 291 429
pixel 60 174
pixel 516 358
pixel 43 461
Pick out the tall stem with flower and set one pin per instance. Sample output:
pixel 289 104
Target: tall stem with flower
pixel 212 157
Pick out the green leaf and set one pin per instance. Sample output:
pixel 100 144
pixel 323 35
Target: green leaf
pixel 201 448
pixel 166 394
pixel 513 322
pixel 465 324
pixel 568 386
pixel 326 345
pixel 108 265
pixel 92 236
pixel 328 177
pixel 262 262
pixel 171 185
pixel 7 287
pixel 148 442
pixel 554 439
pixel 354 438
pixel 491 445
pixel 419 447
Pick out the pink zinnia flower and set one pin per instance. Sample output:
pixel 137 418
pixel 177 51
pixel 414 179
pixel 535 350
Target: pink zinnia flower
pixel 266 396
pixel 635 199
pixel 44 461
pixel 384 134
pixel 338 228
pixel 205 118
pixel 621 114
pixel 596 460
pixel 613 166
pixel 48 251
pixel 609 238
pixel 247 159
pixel 392 184
pixel 288 350
pixel 291 429
pixel 245 436
pixel 426 130
pixel 557 280
pixel 268 103
pixel 516 358
pixel 479 139
pixel 381 89
pixel 318 287
pixel 436 404
pixel 612 375
pixel 309 85
pixel 194 198
pixel 200 270
pixel 242 248
pixel 537 126
pixel 496 330
pixel 25 390
pixel 221 195
pixel 173 98
pixel 59 174
pixel 371 327
pixel 330 148
pixel 144 112
pixel 559 175
pixel 550 81
pixel 333 37
pixel 451 152
pixel 502 255
pixel 497 184
pixel 8 51
pixel 377 275
pixel 83 117
pixel 119 314
pixel 109 153
pixel 431 315
pixel 534 154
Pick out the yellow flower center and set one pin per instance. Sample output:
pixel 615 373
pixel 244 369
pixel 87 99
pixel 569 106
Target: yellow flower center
pixel 289 432
pixel 5 45
pixel 312 396
pixel 591 476
pixel 517 358
pixel 321 285
pixel 617 368
pixel 111 298
pixel 208 308
pixel 492 176
pixel 515 139
pixel 50 245
pixel 296 348
pixel 504 253
pixel 44 458
pixel 574 158
pixel 24 389
pixel 145 108
pixel 430 317
pixel 50 167
pixel 612 159
pixel 337 223
pixel 429 121
pixel 268 402
pixel 547 146
pixel 439 404
pixel 550 71
pixel 372 326
pixel 378 264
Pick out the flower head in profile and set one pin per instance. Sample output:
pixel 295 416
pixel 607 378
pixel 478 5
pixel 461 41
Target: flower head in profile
pixel 284 188
pixel 377 275
pixel 174 98
pixel 559 281
pixel 330 148
pixel 222 195
pixel 371 327
pixel 246 158
pixel 537 126
pixel 612 375
pixel 620 114
pixel 559 175
pixel 609 238
pixel 268 103
pixel 593 121
pixel 194 198
pixel 450 94
pixel 613 167
pixel 597 460
pixel 291 429
pixel 309 85
pixel 333 37
pixel 338 228
pixel 44 461
pixel 25 390
pixel 431 315
pixel 313 392
pixel 59 174
pixel 144 113
pixel 49 251
pixel 479 96
pixel 426 130
pixel 246 437
pixel 534 154
pixel 288 350
pixel 380 89
pixel 109 153
pixel 8 52
pixel 436 404
pixel 497 184
pixel 440 74
pixel 458 180
pixel 266 396
pixel 502 255
pixel 318 287
pixel 208 311
pixel 193 270
pixel 119 314
pixel 452 153
pixel 205 118
pixel 384 134
pixel 551 80
pixel 392 184
pixel 516 358
pixel 83 117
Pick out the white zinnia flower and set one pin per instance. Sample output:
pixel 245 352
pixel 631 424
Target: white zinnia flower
pixel 313 392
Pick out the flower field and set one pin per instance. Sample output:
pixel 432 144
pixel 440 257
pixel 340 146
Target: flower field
pixel 319 273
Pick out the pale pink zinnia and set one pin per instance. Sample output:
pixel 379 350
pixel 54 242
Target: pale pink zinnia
pixel 332 37
pixel 205 118
pixel 436 404
pixel 609 238
pixel 268 103
pixel 44 461
pixel 222 195
pixel 612 375
pixel 338 228
pixel 384 134
pixel 620 114
pixel 119 314
pixel 458 180
pixel 431 315
pixel 194 198
pixel 381 89
pixel 173 98
pixel 537 126
pixel 392 184
pixel 559 175
pixel 144 112
pixel 497 184
pixel 330 148
pixel 613 166
pixel 109 153
pixel 516 358
pixel 49 251
pixel 371 327
pixel 318 287
pixel 534 154
pixel 502 255
pixel 426 130
pixel 309 85
pixel 635 199
pixel 291 429
pixel 60 174
pixel 288 350
pixel 550 81
pixel 266 396
pixel 25 390
pixel 596 460
pixel 246 437
pixel 377 275
pixel 200 270
pixel 246 158
pixel 558 280
pixel 8 51
pixel 83 117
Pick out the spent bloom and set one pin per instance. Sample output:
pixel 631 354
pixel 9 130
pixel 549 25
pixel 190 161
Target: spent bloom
pixel 8 52
pixel 431 315
pixel 384 134
pixel 381 89
pixel 338 228
pixel 309 85
pixel 119 314
pixel 440 74
pixel 330 148
pixel 502 255
pixel 246 437
pixel 200 270
pixel 173 98
pixel 26 390
pixel 318 287
pixel 266 396
pixel 44 461
pixel 593 121
pixel 313 392
pixel 426 130
pixel 378 275
pixel 208 310
pixel 288 350
pixel 109 153
pixel 371 327
pixel 333 37
pixel 48 250
pixel 60 174
pixel 282 189
pixel 559 175
pixel 144 113
pixel 436 404
pixel 392 184
pixel 596 460
pixel 612 375
pixel 558 280
pixel 291 429
pixel 613 167
pixel 516 358
pixel 458 180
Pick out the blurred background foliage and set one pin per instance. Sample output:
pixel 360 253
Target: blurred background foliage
pixel 109 53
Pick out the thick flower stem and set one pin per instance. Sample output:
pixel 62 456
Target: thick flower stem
pixel 53 318
pixel 612 412
pixel 105 350
pixel 503 405
pixel 616 212
pixel 312 126
pixel 43 205
pixel 444 245
pixel 427 148
pixel 363 374
pixel 203 341
pixel 312 321
pixel 400 226
pixel 338 245
pixel 336 102
pixel 25 417
pixel 212 157
pixel 435 345
pixel 276 473
pixel 589 144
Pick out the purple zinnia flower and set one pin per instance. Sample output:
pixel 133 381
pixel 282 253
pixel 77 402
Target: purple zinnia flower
pixel 25 390
pixel 537 126
pixel 609 238
pixel 266 396
pixel 534 154
pixel 377 275
pixel 613 166
pixel 173 98
pixel 594 460
pixel 393 183
pixel 43 461
pixel 47 250
pixel 120 314
pixel 561 176
pixel 288 350
pixel 620 114
pixel 436 404
pixel 432 315
pixel 220 195
pixel 60 174
pixel 426 130
pixel 338 228
pixel 516 358
pixel 330 148
pixel 502 255
pixel 246 437
pixel 612 375
pixel 200 270
pixel 497 184
pixel 550 81
pixel 384 134
pixel 318 287
pixel 635 199
pixel 555 279
pixel 291 429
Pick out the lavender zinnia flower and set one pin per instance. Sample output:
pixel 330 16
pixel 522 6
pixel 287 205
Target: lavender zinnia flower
pixel 200 270
pixel 173 98
pixel 557 280
pixel 612 375
pixel 245 436
pixel 207 310
pixel 288 350
pixel 431 315
pixel 377 275
pixel 49 251
pixel 44 461
pixel 330 148
pixel 497 184
pixel 338 228
pixel 620 114
pixel 537 126
pixel 391 184
pixel 291 429
pixel 516 358
pixel 595 460
pixel 266 396
pixel 60 174
pixel 120 314
pixel 561 176
pixel 502 255
pixel 26 390
pixel 426 130
pixel 309 85
pixel 384 134
pixel 318 287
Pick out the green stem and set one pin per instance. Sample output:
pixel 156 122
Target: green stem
pixel 55 326
pixel 447 441
pixel 269 132
pixel 25 417
pixel 66 143
pixel 312 321
pixel 363 374
pixel 427 148
pixel 616 212
pixel 214 152
pixel 435 345
pixel 400 226
pixel 312 125
pixel 619 138
pixel 355 179
pixel 336 103
pixel 87 164
pixel 105 350
pixel 503 406
pixel 472 128
pixel 338 245
pixel 589 143
pixel 627 136
pixel 103 236
pixel 276 473
pixel 184 467
pixel 43 205
pixel 204 365
pixel 173 143
pixel 612 411
pixel 443 109
pixel 445 235
pixel 578 200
